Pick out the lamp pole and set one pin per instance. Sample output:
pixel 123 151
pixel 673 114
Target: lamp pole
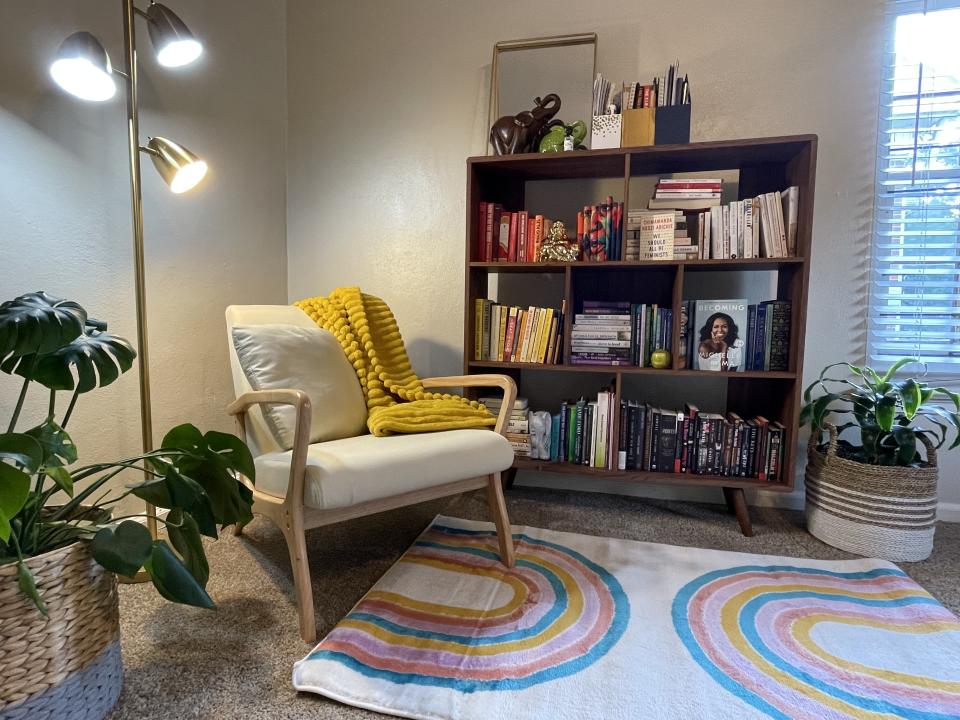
pixel 139 275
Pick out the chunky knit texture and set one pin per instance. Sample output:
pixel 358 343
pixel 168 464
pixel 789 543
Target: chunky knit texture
pixel 395 397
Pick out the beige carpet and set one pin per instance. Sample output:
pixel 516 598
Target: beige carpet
pixel 235 662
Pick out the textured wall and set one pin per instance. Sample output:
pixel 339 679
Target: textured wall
pixel 65 200
pixel 376 174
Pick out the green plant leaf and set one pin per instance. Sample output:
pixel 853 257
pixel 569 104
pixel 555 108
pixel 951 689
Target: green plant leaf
pixel 820 408
pixel 184 437
pixel 172 578
pixel 891 371
pixel 189 495
pixel 886 412
pixel 37 323
pixel 185 536
pixel 153 491
pixel 28 587
pixel 869 439
pixel 910 397
pixel 20 458
pixel 58 448
pixel 61 476
pixel 952 418
pixel 124 550
pixel 955 397
pixel 233 450
pixel 98 358
pixel 906 442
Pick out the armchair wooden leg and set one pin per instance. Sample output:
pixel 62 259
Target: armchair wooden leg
pixel 498 508
pixel 297 546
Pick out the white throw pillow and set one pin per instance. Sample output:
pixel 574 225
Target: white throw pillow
pixel 310 359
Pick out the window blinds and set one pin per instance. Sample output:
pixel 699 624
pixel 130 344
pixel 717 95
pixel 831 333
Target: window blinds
pixel 915 294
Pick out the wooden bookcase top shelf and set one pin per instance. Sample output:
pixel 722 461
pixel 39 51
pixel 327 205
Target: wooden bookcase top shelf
pixel 763 165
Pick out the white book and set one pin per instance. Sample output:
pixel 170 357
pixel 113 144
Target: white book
pixel 748 228
pixel 656 236
pixel 791 208
pixel 734 229
pixel 755 204
pixel 726 232
pixel 716 232
pixel 705 223
pixel 579 334
pixel 580 343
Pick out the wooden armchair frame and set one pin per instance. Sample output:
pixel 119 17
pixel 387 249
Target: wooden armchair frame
pixel 294 518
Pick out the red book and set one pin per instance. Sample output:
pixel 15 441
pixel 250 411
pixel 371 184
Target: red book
pixel 503 237
pixel 509 335
pixel 481 233
pixel 522 224
pixel 647 93
pixel 514 237
pixel 537 236
pixel 493 216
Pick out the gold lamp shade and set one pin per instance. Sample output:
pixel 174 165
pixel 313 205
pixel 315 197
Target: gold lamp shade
pixel 174 43
pixel 179 167
pixel 82 68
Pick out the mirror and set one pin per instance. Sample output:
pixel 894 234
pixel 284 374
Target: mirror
pixel 525 69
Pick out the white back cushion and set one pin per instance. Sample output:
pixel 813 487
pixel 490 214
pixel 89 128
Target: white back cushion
pixel 274 356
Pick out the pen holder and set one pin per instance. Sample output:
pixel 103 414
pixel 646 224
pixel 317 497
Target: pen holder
pixel 606 131
pixel 638 127
pixel 673 125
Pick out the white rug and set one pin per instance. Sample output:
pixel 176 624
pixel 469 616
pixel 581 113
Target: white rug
pixel 588 627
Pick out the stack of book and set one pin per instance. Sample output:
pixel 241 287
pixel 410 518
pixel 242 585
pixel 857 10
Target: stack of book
pixel 507 236
pixel 699 443
pixel 733 336
pixel 511 334
pixel 601 334
pixel 582 432
pixel 764 226
pixel 620 333
pixel 518 426
pixel 686 194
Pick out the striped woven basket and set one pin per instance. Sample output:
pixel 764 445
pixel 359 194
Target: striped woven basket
pixel 879 511
pixel 65 665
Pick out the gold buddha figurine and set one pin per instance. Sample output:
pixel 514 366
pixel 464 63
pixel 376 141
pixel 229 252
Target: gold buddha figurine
pixel 556 247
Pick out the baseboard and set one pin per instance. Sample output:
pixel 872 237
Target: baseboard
pixel 948 512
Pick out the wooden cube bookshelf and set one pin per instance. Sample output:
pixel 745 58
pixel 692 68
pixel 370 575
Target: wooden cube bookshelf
pixel 764 165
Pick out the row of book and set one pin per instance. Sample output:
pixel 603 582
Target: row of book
pixel 656 439
pixel 763 226
pixel 506 236
pixel 620 333
pixel 511 334
pixel 613 97
pixel 734 336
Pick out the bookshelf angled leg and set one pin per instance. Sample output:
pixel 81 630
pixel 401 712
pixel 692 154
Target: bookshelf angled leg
pixel 737 502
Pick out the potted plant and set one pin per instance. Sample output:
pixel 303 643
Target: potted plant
pixel 60 546
pixel 869 488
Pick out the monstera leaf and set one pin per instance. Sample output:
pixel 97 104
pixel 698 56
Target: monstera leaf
pixel 98 357
pixel 36 323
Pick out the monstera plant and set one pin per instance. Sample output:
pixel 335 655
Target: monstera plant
pixel 48 500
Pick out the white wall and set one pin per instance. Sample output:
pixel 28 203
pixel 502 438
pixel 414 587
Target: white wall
pixel 65 200
pixel 378 138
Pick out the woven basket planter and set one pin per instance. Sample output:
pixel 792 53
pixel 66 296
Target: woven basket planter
pixel 879 511
pixel 66 665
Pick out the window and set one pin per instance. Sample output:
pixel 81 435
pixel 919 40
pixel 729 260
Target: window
pixel 915 294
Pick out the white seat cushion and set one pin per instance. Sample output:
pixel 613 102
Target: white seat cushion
pixel 346 472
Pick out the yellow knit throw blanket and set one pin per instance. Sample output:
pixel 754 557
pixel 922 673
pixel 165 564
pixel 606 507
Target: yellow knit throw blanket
pixel 396 400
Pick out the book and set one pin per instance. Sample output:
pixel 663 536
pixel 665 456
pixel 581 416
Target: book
pixel 790 199
pixel 656 236
pixel 719 327
pixel 683 203
pixel 503 237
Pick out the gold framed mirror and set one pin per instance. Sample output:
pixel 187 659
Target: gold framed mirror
pixel 534 67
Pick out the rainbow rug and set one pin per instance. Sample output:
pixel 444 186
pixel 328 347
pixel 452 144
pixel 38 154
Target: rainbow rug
pixel 589 627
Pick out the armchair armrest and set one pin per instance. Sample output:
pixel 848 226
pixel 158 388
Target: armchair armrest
pixel 301 440
pixel 504 382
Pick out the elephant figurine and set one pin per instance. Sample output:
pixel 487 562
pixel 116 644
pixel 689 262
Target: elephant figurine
pixel 521 133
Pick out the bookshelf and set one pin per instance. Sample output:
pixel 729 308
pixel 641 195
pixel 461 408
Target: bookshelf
pixel 762 165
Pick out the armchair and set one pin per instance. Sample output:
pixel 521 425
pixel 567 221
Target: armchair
pixel 310 484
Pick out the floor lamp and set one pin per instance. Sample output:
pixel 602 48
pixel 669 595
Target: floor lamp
pixel 82 68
